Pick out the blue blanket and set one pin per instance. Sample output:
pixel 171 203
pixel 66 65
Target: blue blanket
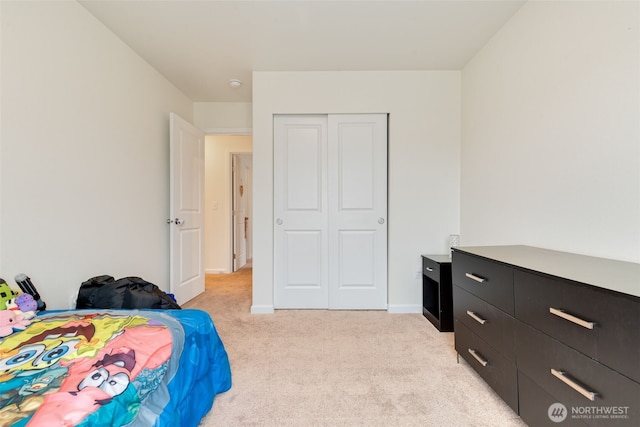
pixel 112 367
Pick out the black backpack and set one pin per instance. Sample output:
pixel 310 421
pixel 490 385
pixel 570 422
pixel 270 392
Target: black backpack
pixel 128 292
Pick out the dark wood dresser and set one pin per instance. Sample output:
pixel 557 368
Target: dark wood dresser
pixel 556 335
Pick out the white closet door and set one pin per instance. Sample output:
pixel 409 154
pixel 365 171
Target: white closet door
pixel 300 212
pixel 330 211
pixel 357 160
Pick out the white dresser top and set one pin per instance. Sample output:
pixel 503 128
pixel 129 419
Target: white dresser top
pixel 619 276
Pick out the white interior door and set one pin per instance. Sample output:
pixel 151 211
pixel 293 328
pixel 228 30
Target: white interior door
pixel 300 212
pixel 358 211
pixel 186 216
pixel 240 218
pixel 330 211
pixel 247 176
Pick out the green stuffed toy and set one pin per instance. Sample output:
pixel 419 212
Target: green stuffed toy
pixel 6 294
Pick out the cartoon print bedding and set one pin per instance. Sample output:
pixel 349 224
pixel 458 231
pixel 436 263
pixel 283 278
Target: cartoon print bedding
pixel 112 368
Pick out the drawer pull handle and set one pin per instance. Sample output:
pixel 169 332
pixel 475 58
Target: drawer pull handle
pixel 577 387
pixel 570 318
pixel 479 358
pixel 474 277
pixel 476 317
pixel 429 269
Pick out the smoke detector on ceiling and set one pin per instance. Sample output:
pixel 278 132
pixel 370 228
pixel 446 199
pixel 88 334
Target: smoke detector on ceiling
pixel 235 83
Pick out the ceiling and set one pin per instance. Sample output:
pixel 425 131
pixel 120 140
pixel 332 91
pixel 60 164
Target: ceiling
pixel 200 45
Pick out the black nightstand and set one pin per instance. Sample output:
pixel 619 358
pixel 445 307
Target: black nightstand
pixel 437 302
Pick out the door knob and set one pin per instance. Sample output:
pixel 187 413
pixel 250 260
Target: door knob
pixel 381 221
pixel 179 221
pixel 279 221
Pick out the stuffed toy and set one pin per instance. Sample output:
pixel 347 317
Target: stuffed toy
pixel 6 294
pixel 26 303
pixel 10 320
pixel 12 305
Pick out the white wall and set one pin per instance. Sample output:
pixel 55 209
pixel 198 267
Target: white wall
pixel 84 152
pixel 424 142
pixel 228 118
pixel 550 131
pixel 217 202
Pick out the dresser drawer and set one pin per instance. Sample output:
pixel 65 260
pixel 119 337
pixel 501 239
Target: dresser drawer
pixel 538 354
pixel 535 404
pixel 498 371
pixel 431 269
pixel 608 324
pixel 489 280
pixel 492 325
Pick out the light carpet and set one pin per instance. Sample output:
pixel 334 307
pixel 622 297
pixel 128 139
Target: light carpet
pixel 340 368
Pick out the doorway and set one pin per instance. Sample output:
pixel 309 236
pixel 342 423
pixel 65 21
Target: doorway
pixel 219 200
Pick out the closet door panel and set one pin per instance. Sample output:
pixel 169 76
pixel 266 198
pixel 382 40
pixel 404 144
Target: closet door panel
pixel 357 171
pixel 300 212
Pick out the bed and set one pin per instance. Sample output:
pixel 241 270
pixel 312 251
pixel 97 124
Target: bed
pixel 112 368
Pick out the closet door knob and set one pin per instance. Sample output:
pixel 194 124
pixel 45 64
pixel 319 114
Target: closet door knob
pixel 381 221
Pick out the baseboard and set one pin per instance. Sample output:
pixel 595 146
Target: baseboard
pixel 262 309
pixel 215 271
pixel 404 309
pixel 392 309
